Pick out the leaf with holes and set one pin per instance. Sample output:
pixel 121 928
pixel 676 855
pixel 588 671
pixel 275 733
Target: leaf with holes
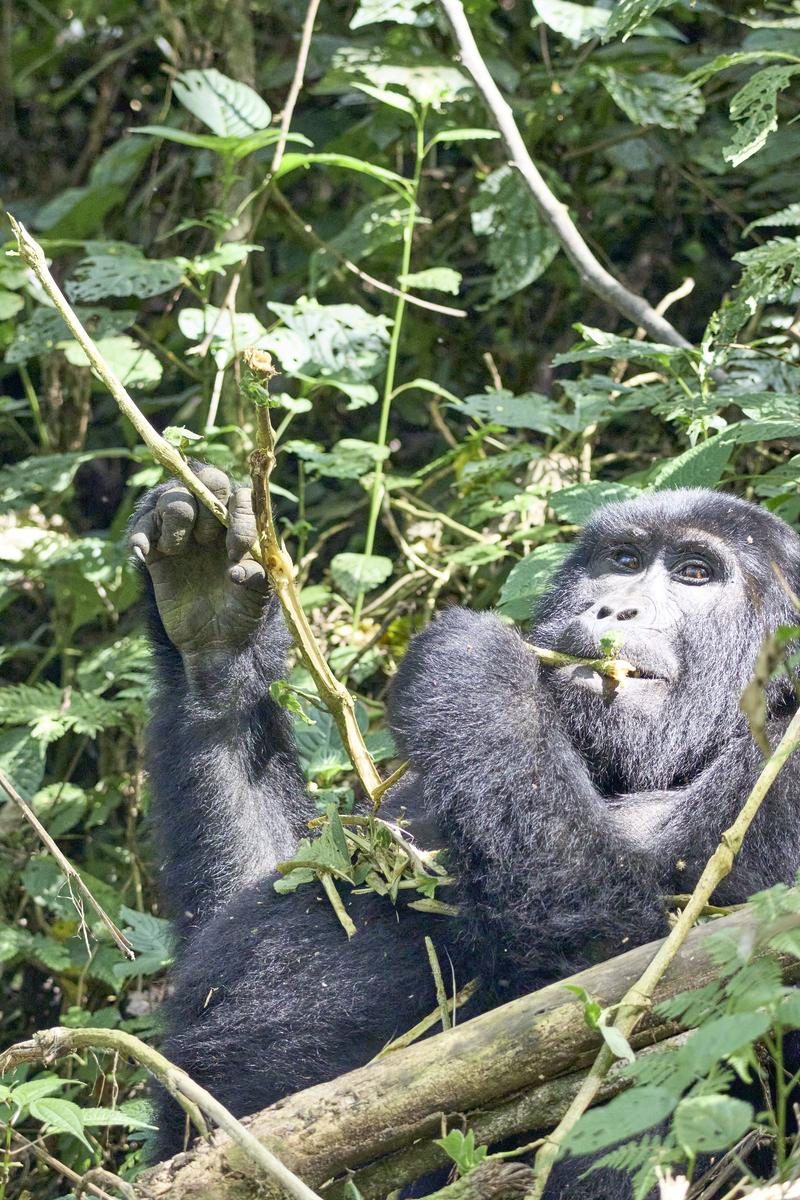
pixel 520 246
pixel 227 107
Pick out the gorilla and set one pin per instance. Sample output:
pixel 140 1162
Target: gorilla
pixel 567 808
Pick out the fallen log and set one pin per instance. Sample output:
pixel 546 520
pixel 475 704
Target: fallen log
pixel 508 1071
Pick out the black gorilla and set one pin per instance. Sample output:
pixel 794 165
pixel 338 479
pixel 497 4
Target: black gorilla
pixel 567 808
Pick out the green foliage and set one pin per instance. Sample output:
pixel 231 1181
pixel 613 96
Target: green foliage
pixel 471 447
pixel 686 1086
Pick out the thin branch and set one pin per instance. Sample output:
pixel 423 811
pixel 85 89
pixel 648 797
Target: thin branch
pixel 49 1044
pixel 296 84
pixel 20 1145
pixel 556 214
pixel 66 866
pixel 280 569
pixel 639 997
pixel 370 280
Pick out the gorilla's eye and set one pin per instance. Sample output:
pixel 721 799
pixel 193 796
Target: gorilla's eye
pixel 694 571
pixel 626 559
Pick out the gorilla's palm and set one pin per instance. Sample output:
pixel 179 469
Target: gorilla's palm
pixel 209 589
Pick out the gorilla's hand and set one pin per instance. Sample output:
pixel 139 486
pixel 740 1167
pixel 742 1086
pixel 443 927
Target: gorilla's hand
pixel 210 591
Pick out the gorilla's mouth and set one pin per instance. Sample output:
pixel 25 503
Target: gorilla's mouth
pixel 586 677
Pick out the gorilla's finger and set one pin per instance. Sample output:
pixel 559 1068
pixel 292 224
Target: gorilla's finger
pixel 250 574
pixel 207 528
pixel 144 533
pixel 176 509
pixel 242 529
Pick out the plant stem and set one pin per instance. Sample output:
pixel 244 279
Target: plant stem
pixel 391 362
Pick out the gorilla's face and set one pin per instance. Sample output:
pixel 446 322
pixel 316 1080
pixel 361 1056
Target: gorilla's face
pixel 684 584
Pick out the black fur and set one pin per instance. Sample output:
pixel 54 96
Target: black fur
pixel 566 814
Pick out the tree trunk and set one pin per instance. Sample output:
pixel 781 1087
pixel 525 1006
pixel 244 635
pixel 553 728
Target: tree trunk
pixel 508 1071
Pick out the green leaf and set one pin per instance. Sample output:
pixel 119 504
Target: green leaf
pixel 461 1148
pixel 520 245
pixel 356 573
pixel 434 279
pixel 577 22
pixel 291 162
pixel 338 342
pixel 724 1036
pixel 134 365
pixel 60 1116
pixel 531 410
pixel 529 579
pixel 230 331
pixel 151 938
pixel 624 1117
pixel 122 270
pixel 45 330
pixel 372 226
pixel 11 304
pixel 617 1043
pixel 227 107
pixel 78 212
pixel 447 136
pixel 705 1123
pixel 785 216
pixel 627 15
pixel 22 760
pixel 653 98
pixel 577 503
pixel 106 1117
pixel 234 147
pixel 392 99
pixel 754 109
pixel 599 344
pixel 700 466
pixel 350 458
pixel 400 12
pixel 37 1089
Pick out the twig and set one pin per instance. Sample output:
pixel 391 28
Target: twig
pixel 433 1018
pixel 296 84
pixel 615 668
pixel 49 1044
pixel 171 459
pixel 441 994
pixel 66 866
pixel 591 272
pixel 21 1144
pixel 280 569
pixel 639 997
pixel 370 280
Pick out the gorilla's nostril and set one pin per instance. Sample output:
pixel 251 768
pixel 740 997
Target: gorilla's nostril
pixel 603 612
pixel 626 614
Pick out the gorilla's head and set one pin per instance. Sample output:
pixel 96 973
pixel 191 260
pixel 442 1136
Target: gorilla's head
pixel 688 582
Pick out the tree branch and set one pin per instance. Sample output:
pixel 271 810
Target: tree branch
pixel 501 1072
pixel 591 272
pixel 49 1044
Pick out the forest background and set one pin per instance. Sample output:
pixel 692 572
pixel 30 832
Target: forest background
pixel 454 399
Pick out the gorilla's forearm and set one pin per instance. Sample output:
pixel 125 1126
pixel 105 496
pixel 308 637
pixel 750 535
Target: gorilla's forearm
pixel 229 799
pixel 546 873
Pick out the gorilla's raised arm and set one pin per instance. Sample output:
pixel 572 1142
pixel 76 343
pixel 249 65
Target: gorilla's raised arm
pixel 545 876
pixel 229 799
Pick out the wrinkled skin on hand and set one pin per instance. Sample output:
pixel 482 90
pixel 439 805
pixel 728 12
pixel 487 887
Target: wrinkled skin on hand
pixel 209 589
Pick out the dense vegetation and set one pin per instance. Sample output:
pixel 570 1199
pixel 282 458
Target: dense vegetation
pixel 442 427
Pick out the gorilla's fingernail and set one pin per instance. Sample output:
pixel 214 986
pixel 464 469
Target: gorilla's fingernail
pixel 237 574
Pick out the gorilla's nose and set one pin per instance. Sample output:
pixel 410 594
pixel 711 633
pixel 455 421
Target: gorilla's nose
pixel 621 614
pixel 625 608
